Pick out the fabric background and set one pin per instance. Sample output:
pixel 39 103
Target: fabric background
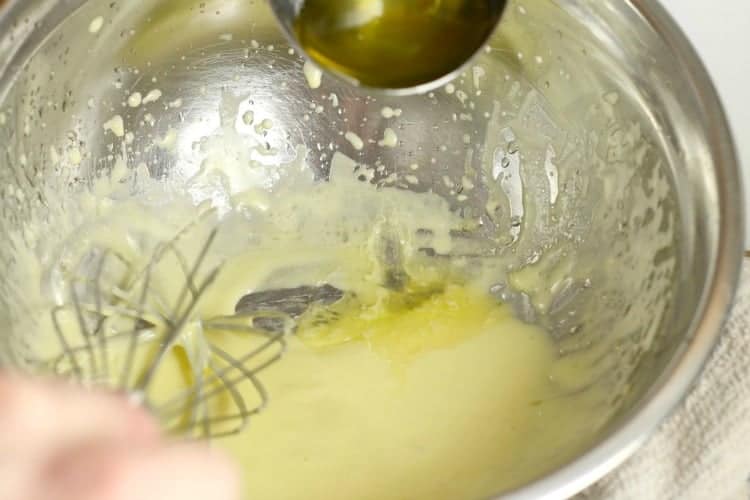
pixel 703 451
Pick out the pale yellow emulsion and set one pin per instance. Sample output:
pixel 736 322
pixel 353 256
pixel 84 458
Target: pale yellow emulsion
pixel 433 391
pixel 451 400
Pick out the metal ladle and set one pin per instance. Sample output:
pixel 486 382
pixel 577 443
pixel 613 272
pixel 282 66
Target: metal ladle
pixel 397 46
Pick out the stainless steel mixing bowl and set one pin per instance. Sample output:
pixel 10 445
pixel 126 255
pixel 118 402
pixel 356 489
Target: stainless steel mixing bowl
pixel 587 142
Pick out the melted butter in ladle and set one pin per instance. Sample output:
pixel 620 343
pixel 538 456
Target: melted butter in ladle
pixel 395 44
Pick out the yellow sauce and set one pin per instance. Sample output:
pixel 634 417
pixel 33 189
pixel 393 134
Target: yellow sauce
pixel 451 399
pixel 444 401
pixel 429 388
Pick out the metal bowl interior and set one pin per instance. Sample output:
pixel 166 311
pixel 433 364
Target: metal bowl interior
pixel 591 126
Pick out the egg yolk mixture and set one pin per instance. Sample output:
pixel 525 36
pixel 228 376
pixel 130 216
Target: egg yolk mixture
pixel 407 379
pixel 450 399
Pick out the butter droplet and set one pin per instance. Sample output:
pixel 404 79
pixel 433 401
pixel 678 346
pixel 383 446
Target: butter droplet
pixel 354 140
pixel 388 112
pixel 390 139
pixel 115 125
pixel 96 25
pixel 313 75
pixel 75 157
pixel 152 96
pixel 135 100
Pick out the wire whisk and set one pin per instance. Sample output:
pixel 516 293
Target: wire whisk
pixel 122 327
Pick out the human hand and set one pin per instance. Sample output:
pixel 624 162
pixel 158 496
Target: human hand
pixel 59 442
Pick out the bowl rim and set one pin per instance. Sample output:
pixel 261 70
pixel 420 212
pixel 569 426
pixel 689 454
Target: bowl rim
pixel 674 384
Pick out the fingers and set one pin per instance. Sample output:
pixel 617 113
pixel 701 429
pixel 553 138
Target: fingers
pixel 60 442
pixel 36 415
pixel 17 475
pixel 114 471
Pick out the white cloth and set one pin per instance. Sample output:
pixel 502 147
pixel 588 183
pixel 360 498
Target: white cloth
pixel 703 451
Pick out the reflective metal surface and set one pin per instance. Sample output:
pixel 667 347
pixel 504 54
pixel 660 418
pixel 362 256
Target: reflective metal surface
pixel 599 157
